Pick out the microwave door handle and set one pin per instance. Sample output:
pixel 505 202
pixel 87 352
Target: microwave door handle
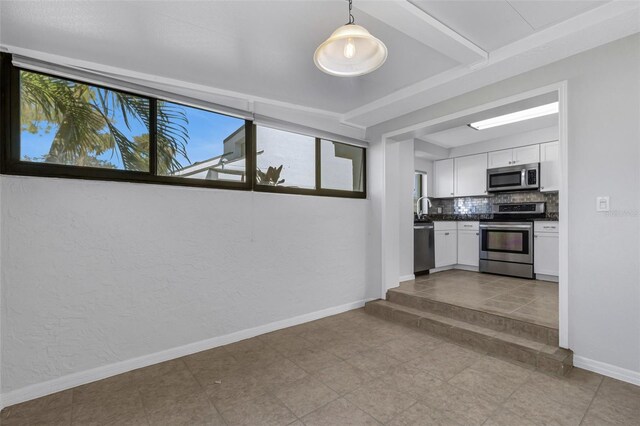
pixel 523 180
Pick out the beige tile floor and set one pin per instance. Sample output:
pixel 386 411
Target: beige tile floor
pixel 349 369
pixel 528 300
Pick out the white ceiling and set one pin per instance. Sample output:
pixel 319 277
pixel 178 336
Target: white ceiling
pixel 465 135
pixel 261 52
pixel 494 24
pixel 456 132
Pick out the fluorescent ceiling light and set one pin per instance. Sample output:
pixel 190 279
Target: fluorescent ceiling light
pixel 514 117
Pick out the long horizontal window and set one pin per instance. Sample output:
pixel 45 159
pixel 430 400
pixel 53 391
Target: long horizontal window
pixel 59 127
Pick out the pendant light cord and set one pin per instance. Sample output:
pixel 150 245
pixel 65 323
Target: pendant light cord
pixel 352 20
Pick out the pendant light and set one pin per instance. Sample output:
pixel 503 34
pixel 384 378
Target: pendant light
pixel 350 51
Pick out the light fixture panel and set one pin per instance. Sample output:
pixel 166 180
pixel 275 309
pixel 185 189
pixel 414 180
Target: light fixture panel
pixel 514 117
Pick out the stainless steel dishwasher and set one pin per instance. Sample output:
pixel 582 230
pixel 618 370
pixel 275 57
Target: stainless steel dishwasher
pixel 423 247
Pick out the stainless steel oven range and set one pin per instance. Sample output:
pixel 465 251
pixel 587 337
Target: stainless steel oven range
pixel 506 241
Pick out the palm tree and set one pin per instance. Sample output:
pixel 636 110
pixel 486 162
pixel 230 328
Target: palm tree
pixel 87 121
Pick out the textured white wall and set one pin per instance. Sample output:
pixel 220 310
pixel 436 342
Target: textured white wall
pixel 99 272
pixel 604 154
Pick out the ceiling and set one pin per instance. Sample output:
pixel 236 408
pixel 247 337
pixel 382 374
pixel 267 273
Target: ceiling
pixel 456 132
pixel 465 135
pixel 261 51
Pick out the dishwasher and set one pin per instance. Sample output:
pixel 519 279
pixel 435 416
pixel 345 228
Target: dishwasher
pixel 423 247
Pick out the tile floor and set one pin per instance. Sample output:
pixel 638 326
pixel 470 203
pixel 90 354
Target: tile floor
pixel 348 369
pixel 528 300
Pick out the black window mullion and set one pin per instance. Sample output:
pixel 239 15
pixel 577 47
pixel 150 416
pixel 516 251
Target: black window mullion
pixel 153 136
pixel 251 153
pixel 318 166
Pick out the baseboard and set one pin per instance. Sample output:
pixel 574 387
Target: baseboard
pixel 440 269
pixel 83 377
pixel 551 278
pixel 467 268
pixel 407 278
pixel 609 370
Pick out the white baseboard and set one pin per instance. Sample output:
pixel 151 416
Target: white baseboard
pixel 440 269
pixel 467 268
pixel 83 377
pixel 406 278
pixel 551 278
pixel 609 370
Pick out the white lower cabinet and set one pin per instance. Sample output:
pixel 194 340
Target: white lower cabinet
pixel 468 243
pixel 446 243
pixel 546 250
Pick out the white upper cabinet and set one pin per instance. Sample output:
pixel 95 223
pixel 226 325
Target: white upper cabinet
pixel 514 156
pixel 443 173
pixel 501 158
pixel 549 167
pixel 526 155
pixel 471 175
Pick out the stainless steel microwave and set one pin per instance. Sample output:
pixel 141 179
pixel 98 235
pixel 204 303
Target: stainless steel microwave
pixel 514 178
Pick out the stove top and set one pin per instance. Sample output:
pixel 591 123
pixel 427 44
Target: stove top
pixel 518 211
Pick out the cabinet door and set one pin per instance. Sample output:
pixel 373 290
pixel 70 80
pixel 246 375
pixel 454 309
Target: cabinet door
pixel 443 171
pixel 550 166
pixel 501 158
pixel 526 155
pixel 471 175
pixel 469 248
pixel 446 248
pixel 546 253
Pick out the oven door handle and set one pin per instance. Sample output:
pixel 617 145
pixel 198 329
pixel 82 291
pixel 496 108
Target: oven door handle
pixel 506 226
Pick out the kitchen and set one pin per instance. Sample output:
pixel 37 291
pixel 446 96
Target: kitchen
pixel 486 234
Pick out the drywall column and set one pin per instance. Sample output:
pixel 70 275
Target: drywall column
pixel 406 172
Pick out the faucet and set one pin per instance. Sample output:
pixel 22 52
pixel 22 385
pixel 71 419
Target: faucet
pixel 418 206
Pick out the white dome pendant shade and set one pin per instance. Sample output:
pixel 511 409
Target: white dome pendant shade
pixel 350 51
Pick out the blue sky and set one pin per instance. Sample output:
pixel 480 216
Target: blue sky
pixel 207 132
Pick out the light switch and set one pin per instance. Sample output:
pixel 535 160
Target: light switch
pixel 602 204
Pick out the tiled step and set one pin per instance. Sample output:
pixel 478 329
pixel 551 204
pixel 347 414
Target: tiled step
pixel 547 358
pixel 492 321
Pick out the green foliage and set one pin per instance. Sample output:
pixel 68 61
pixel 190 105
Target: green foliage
pixel 84 119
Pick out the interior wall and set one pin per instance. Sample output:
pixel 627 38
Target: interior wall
pixel 603 159
pixel 100 272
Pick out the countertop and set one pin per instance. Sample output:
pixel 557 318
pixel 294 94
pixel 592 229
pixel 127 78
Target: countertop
pixel 549 216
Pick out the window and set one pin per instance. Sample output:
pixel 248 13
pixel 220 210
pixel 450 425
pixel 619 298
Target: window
pixel 419 190
pixel 61 127
pixel 342 166
pixel 198 144
pixel 69 123
pixel 285 159
pixel 294 163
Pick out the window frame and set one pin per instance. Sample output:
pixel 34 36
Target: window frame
pixel 318 190
pixel 11 164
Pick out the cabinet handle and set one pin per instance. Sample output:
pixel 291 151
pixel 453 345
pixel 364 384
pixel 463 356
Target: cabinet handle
pixel 477 233
pixel 542 187
pixel 446 233
pixel 535 236
pixel 452 193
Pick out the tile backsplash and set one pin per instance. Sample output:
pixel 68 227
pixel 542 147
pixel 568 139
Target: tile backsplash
pixel 480 205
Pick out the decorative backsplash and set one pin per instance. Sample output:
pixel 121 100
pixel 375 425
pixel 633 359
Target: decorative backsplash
pixel 482 205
